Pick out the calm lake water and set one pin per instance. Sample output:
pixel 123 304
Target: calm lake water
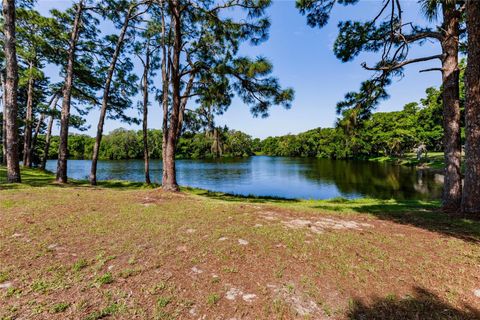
pixel 282 177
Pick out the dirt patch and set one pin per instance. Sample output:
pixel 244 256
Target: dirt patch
pixel 314 224
pixel 234 293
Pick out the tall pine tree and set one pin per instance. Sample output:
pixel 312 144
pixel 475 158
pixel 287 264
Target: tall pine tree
pixel 200 44
pixel 393 38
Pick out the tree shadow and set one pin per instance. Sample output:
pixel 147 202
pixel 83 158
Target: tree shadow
pixel 30 177
pixel 237 197
pixel 417 213
pixel 422 305
pixel 43 178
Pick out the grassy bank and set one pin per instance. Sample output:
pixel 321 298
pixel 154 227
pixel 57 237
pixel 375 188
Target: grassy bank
pixel 127 251
pixel 434 160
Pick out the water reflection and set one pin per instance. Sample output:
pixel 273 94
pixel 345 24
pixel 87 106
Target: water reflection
pixel 282 177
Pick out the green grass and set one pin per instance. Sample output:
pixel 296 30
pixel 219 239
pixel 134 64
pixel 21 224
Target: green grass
pixel 105 312
pixel 106 278
pixel 59 307
pixel 213 298
pixel 433 160
pixel 32 177
pixel 79 265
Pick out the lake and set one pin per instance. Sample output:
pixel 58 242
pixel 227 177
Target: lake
pixel 307 178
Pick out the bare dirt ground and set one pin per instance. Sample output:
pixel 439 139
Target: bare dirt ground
pixel 91 253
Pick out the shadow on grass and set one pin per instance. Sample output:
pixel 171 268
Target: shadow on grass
pixel 426 215
pixel 417 213
pixel 30 177
pixel 422 305
pixel 236 197
pixel 42 178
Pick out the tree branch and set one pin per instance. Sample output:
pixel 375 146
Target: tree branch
pixel 402 64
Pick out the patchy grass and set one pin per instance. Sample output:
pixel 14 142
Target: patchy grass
pixel 59 307
pixel 128 251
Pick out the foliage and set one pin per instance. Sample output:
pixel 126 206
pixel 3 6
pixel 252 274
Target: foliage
pixel 384 133
pixel 122 144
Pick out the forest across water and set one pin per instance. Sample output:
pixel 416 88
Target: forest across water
pixel 390 134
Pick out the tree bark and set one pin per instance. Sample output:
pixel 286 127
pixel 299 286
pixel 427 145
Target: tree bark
pixel 48 135
pixel 169 179
pixel 106 94
pixel 452 189
pixel 35 136
pixel 38 127
pixel 11 87
pixel 4 122
pixel 67 95
pixel 27 140
pixel 145 114
pixel 471 189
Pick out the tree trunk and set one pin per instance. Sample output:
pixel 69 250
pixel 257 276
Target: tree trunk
pixel 4 122
pixel 452 189
pixel 48 135
pixel 169 179
pixel 471 188
pixel 145 115
pixel 38 127
pixel 35 136
pixel 27 140
pixel 10 91
pixel 106 94
pixel 67 95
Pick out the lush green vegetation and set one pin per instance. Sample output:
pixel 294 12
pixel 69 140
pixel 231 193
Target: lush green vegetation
pixel 385 134
pixel 391 134
pixel 128 144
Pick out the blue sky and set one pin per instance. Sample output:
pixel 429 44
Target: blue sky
pixel 303 59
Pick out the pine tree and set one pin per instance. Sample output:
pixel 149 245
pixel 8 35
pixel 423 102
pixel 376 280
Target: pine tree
pixel 10 92
pixel 147 52
pixel 123 14
pixel 471 190
pixel 33 49
pixel 200 43
pixel 75 57
pixel 393 39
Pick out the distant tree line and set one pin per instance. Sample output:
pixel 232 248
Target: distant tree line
pixel 123 144
pixel 383 134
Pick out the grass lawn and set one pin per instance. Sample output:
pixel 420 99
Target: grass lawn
pixel 126 251
pixel 433 160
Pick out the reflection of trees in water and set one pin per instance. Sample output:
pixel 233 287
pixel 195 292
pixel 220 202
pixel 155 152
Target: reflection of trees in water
pixel 379 180
pixel 214 170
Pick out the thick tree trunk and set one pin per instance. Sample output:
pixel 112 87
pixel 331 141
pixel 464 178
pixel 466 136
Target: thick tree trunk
pixel 452 189
pixel 11 87
pixel 169 179
pixel 106 94
pixel 27 140
pixel 4 122
pixel 48 135
pixel 67 95
pixel 145 115
pixel 471 188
